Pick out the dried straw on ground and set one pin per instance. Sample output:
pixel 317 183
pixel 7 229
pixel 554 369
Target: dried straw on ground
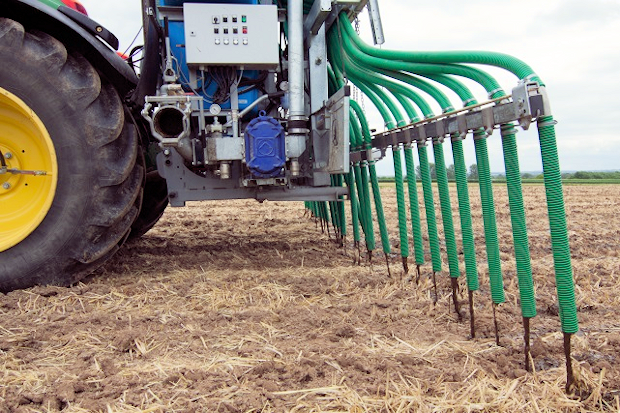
pixel 240 306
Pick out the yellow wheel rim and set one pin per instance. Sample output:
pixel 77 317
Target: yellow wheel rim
pixel 25 198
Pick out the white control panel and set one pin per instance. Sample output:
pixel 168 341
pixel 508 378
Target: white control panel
pixel 231 34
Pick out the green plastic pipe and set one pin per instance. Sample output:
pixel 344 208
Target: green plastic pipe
pixel 354 207
pixel 488 217
pixel 446 210
pixel 467 231
pixel 483 78
pixel 510 63
pixel 557 224
pixel 400 202
pixel 517 217
pixel 414 209
pixel 429 205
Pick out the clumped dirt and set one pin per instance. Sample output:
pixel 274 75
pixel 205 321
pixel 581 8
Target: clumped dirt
pixel 238 306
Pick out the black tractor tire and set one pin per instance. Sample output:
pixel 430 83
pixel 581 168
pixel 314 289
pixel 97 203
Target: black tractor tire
pixel 99 183
pixel 154 203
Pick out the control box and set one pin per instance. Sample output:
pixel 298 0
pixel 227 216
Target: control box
pixel 231 35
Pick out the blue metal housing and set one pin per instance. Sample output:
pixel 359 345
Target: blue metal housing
pixel 265 147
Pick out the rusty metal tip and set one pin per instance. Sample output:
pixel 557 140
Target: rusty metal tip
pixel 570 375
pixel 387 263
pixel 455 299
pixel 495 325
pixel 472 326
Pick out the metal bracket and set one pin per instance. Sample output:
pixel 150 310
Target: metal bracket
pixel 529 103
pixel 184 185
pixel 316 17
pixel 521 95
pixel 333 118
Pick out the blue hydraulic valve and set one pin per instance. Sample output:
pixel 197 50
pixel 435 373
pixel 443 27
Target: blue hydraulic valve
pixel 265 147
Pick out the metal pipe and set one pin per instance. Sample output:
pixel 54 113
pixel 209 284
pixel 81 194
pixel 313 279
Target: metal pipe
pixel 297 110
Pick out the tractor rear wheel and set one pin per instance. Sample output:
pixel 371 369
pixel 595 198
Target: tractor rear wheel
pixel 70 187
pixel 154 204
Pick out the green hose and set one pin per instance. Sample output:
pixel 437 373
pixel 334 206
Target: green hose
pixel 488 216
pixel 361 181
pixel 467 231
pixel 446 210
pixel 424 86
pixel 414 207
pixel 342 224
pixel 557 223
pixel 400 201
pixel 510 63
pixel 487 81
pixel 354 206
pixel 517 217
pixel 429 206
pixel 362 189
pixel 385 240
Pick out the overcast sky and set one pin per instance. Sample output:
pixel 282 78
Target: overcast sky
pixel 573 45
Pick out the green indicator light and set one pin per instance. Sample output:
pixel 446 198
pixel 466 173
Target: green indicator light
pixel 244 19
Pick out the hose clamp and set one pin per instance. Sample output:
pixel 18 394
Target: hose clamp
pixel 547 123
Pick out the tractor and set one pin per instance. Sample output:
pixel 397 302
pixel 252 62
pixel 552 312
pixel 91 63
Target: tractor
pixel 252 99
pixel 95 145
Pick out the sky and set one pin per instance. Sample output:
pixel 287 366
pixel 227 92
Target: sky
pixel 574 46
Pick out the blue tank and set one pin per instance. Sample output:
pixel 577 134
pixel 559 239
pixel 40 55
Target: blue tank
pixel 265 147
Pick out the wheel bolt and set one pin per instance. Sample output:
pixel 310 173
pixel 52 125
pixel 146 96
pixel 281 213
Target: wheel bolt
pixel 8 155
pixel 6 185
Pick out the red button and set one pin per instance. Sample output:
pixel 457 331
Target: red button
pixel 245 30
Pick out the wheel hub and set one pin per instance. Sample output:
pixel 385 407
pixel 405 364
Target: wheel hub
pixel 28 170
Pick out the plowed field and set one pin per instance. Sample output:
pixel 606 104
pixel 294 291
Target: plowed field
pixel 241 306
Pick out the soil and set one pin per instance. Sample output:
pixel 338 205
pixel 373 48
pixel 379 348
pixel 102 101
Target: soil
pixel 239 306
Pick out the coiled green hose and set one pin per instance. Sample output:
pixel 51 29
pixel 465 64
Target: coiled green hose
pixel 429 206
pixel 517 216
pixel 366 213
pixel 414 207
pixel 467 232
pixel 488 216
pixel 510 63
pixel 557 224
pixel 354 206
pixel 400 201
pixel 446 210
